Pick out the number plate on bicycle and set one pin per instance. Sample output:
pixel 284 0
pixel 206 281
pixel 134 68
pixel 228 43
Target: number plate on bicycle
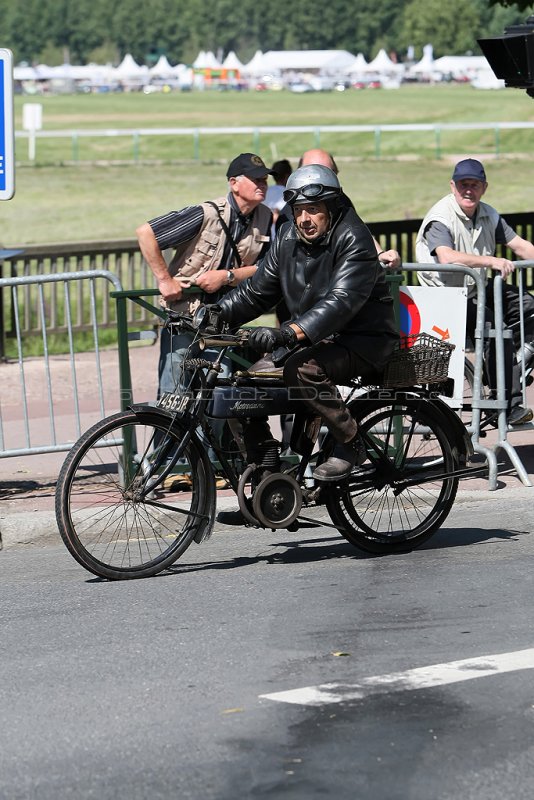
pixel 177 403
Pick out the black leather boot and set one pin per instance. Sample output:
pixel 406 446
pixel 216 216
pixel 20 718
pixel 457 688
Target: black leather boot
pixel 342 461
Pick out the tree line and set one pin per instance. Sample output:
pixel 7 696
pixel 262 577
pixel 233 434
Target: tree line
pixel 80 31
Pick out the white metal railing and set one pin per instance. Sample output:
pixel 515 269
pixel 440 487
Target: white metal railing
pixel 257 130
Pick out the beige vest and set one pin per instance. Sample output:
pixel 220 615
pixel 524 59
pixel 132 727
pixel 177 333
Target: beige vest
pixel 477 239
pixel 204 251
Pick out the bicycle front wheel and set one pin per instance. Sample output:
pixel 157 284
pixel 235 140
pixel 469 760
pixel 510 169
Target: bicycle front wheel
pixel 118 512
pixel 406 489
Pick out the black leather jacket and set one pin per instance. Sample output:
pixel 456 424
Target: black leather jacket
pixel 332 287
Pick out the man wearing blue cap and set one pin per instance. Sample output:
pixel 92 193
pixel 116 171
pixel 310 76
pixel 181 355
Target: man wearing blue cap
pixel 461 229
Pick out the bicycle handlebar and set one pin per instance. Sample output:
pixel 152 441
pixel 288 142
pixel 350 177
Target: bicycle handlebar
pixel 186 322
pixel 239 339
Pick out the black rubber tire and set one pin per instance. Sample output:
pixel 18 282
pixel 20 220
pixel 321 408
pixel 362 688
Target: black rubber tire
pixel 373 511
pixel 110 531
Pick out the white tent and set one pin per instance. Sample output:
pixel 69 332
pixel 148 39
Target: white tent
pixel 180 70
pixel 99 74
pixel 129 68
pixel 95 74
pixel 162 69
pixel 358 66
pixel 460 67
pixel 383 65
pixel 66 72
pixel 24 73
pixel 206 60
pixel 486 79
pixel 232 62
pixel 212 61
pixel 131 74
pixel 426 65
pixel 255 65
pixel 200 60
pixel 45 73
pixel 184 75
pixel 325 62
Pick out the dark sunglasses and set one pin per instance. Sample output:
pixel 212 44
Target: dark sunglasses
pixel 310 192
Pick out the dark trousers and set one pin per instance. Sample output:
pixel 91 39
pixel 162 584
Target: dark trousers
pixel 511 310
pixel 511 304
pixel 312 375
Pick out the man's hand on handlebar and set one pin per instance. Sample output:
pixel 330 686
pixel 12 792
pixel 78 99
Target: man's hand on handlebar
pixel 265 340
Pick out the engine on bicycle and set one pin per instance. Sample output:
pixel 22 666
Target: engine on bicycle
pixel 275 495
pixel 271 489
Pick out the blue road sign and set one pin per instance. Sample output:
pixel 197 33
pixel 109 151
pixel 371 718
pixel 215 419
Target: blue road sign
pixel 7 148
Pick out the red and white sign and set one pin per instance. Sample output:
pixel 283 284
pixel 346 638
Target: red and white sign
pixel 441 312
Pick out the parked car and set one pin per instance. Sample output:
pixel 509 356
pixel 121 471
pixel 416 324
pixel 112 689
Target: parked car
pixel 375 84
pixel 300 87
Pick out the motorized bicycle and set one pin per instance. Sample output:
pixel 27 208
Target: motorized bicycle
pixel 123 511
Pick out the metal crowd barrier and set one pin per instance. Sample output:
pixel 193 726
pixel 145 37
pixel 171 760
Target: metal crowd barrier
pixel 482 331
pixel 125 298
pixel 51 440
pixel 120 257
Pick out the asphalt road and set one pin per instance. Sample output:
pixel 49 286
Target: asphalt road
pixel 157 688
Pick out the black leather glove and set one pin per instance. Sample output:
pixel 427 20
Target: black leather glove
pixel 268 339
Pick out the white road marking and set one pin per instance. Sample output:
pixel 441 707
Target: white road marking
pixel 419 678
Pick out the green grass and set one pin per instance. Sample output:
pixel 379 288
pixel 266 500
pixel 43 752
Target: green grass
pixel 103 188
pixel 410 103
pixel 59 343
pixel 97 198
pixel 62 204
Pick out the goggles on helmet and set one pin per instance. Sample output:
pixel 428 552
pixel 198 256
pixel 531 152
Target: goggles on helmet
pixel 312 191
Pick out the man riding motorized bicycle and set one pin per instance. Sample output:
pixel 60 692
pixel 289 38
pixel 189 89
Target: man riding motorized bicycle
pixel 324 266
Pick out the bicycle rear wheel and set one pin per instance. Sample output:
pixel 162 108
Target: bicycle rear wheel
pixel 404 495
pixel 113 516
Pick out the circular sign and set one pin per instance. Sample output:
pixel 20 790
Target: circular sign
pixel 410 318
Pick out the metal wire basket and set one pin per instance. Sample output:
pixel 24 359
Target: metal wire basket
pixel 420 358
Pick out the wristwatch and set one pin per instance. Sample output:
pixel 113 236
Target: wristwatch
pixel 230 277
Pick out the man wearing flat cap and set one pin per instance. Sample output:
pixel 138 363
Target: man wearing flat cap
pixel 215 247
pixel 461 229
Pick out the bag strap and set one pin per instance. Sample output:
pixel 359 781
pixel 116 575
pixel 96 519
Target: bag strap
pixel 226 229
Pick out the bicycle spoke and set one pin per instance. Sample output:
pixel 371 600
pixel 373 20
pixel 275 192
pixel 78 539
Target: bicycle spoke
pixel 410 484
